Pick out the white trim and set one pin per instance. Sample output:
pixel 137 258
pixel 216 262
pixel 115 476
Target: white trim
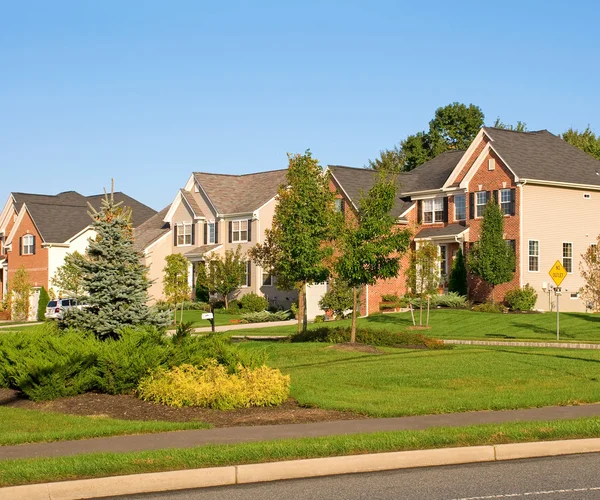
pixel 463 161
pixel 87 228
pixel 563 255
pixel 20 217
pixel 464 195
pixel 10 203
pixel 521 191
pixel 191 235
pixel 32 245
pixel 192 255
pixel 173 208
pixel 422 195
pixel 562 184
pixel 168 233
pixel 190 182
pixel 339 184
pixel 239 231
pixel 538 256
pixel 255 213
pixel 413 206
pixel 451 238
pixel 464 183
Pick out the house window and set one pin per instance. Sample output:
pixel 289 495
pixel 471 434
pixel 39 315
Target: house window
pixel 338 205
pixel 480 202
pixel 267 278
pixel 505 201
pixel 239 231
pixel 433 211
pixel 491 164
pixel 460 207
pixel 184 234
pixel 28 243
pixel 534 256
pixel 568 257
pixel 247 274
pixel 211 233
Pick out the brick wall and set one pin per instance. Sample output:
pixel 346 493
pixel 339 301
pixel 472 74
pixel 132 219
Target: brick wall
pixel 36 265
pixel 486 180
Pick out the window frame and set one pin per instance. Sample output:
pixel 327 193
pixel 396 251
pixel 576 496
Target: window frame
pixel 182 233
pixel 30 246
pixel 530 256
pixel 434 212
pixel 464 197
pixel 270 276
pixel 482 205
pixel 507 203
pixel 239 231
pixel 247 274
pixel 211 232
pixel 338 205
pixel 570 243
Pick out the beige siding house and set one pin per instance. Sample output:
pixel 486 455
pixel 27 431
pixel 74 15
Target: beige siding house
pixel 214 213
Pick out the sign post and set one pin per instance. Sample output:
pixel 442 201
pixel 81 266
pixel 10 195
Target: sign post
pixel 558 273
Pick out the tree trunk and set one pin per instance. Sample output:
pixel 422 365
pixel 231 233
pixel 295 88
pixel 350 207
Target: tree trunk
pixel 421 311
pixel 226 300
pixel 353 328
pixel 300 308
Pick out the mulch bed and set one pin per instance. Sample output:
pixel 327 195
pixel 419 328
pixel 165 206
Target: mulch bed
pixel 128 407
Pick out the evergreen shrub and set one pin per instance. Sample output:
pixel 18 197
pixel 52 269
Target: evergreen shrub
pixel 213 387
pixel 489 307
pixel 43 300
pixel 266 316
pixel 521 299
pixel 251 302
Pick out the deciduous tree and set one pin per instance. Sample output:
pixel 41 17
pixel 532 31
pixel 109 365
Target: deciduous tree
pixel 590 271
pixel 586 141
pixel 68 278
pixel 175 279
pixel 369 246
pixel 423 274
pixel 295 248
pixel 491 258
pixel 224 275
pixel 20 288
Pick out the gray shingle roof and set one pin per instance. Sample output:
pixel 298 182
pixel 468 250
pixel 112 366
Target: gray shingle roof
pixel 201 250
pixel 60 217
pixel 151 230
pixel 544 156
pixel 449 230
pixel 232 194
pixel 189 198
pixel 432 174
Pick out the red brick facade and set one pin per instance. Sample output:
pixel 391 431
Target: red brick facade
pixel 36 264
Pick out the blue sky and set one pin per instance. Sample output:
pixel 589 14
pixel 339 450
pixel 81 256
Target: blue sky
pixel 147 92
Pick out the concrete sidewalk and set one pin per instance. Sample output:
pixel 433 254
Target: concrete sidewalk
pixel 230 435
pixel 246 326
pixel 31 323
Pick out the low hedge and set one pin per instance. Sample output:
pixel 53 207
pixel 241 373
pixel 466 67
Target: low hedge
pixel 375 337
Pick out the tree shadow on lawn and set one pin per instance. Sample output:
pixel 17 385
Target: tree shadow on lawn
pixel 593 317
pixel 540 329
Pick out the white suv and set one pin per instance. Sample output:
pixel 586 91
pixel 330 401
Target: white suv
pixel 56 309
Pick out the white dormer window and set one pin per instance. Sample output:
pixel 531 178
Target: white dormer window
pixel 184 234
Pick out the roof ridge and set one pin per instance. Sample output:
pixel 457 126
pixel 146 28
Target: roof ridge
pixel 519 131
pixel 240 175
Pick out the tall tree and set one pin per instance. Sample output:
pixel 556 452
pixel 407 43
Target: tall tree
pixel 491 258
pixel 586 141
pixel 224 275
pixel 369 246
pixel 20 290
pixel 590 272
pixel 68 278
pixel 295 249
pixel 114 278
pixel 175 278
pixel 453 127
pixel 519 127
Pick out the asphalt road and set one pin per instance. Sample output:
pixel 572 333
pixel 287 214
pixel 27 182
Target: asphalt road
pixel 573 477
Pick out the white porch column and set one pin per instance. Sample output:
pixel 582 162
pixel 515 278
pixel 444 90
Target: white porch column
pixel 191 278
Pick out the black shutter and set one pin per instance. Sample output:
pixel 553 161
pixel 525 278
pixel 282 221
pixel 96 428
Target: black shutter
pixel 20 245
pixel 249 281
pixel 445 216
pixel 513 197
pixel 471 205
pixel 419 211
pixel 33 250
pixel 216 232
pixel 342 206
pixel 175 235
pixel 488 195
pixel 205 232
pixel 495 193
pixel 193 233
pixel 230 231
pixel 249 229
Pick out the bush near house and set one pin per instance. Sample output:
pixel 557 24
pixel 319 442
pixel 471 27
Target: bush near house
pixel 251 302
pixel 211 386
pixel 266 316
pixel 521 299
pixel 47 364
pixel 490 307
pixel 452 300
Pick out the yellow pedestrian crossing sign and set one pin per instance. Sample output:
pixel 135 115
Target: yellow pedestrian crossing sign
pixel 558 273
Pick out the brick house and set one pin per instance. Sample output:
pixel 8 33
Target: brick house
pixel 214 213
pixel 37 231
pixel 548 190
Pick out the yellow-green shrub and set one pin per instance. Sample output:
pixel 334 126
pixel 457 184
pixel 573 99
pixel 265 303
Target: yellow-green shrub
pixel 213 387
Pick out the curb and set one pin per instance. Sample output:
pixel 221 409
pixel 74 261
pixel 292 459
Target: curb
pixel 292 469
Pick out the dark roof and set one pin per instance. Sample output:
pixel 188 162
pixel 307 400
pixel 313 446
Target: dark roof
pixel 231 194
pixel 151 230
pixel 432 174
pixel 544 156
pixel 189 198
pixel 449 230
pixel 356 180
pixel 60 217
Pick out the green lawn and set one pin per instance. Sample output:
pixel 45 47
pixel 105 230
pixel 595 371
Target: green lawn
pixel 30 426
pixel 416 382
pixel 196 318
pixel 464 324
pixel 37 470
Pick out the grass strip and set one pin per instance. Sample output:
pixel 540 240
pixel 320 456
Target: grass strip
pixel 23 471
pixel 30 426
